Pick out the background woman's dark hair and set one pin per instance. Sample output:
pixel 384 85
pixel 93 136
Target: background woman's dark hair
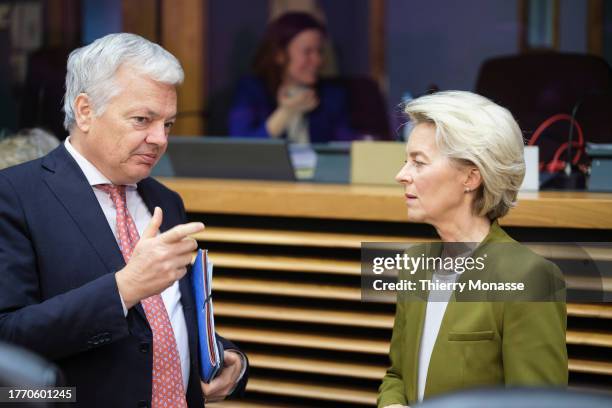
pixel 277 37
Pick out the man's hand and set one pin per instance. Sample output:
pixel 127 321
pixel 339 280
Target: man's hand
pixel 220 386
pixel 157 261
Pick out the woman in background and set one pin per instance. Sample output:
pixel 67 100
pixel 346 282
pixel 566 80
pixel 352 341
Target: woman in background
pixel 285 98
pixel 464 167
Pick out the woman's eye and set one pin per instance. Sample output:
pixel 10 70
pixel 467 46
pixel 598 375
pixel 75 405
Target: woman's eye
pixel 141 120
pixel 418 163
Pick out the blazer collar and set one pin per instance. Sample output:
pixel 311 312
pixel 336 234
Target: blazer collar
pixel 496 234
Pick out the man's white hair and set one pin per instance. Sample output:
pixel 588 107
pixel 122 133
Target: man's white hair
pixel 472 129
pixel 92 68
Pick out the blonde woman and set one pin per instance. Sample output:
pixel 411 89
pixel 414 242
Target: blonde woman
pixel 464 166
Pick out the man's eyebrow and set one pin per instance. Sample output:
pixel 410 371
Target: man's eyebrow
pixel 151 113
pixel 142 111
pixel 157 115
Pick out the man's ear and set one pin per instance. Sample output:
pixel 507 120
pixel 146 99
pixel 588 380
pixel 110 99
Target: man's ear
pixel 83 112
pixel 473 178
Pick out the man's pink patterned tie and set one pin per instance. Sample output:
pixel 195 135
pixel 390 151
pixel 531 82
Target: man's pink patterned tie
pixel 168 388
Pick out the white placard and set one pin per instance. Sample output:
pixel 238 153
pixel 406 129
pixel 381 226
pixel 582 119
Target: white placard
pixel 532 171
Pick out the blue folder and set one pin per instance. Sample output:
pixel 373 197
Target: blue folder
pixel 211 349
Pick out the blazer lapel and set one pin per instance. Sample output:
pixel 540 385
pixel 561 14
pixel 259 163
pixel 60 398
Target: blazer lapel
pixel 453 309
pixel 419 308
pixel 416 317
pixel 68 183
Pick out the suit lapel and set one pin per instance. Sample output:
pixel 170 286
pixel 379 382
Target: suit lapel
pixel 68 183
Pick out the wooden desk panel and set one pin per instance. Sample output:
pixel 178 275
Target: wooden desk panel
pixel 376 203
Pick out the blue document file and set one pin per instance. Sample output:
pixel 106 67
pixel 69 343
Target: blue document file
pixel 211 350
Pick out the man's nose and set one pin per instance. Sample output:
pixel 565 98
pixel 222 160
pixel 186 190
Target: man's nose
pixel 157 134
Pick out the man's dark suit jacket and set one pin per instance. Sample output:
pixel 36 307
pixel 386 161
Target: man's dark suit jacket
pixel 58 295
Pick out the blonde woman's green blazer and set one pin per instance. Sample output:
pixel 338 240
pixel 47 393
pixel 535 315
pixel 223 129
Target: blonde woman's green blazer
pixel 483 344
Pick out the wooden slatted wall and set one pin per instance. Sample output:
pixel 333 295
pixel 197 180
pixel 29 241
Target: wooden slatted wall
pixel 288 292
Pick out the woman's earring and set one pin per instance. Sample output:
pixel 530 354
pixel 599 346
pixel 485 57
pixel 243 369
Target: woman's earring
pixel 468 190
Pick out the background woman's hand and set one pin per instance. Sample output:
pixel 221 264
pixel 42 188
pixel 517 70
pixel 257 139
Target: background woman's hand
pixel 291 101
pixel 297 99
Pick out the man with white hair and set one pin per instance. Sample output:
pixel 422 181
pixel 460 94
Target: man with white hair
pixel 93 274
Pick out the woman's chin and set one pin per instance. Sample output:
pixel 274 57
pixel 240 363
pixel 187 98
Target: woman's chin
pixel 415 216
pixel 308 81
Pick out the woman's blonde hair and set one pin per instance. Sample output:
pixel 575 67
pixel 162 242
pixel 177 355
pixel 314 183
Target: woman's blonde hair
pixel 471 129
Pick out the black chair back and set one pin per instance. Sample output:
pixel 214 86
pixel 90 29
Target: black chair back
pixel 536 86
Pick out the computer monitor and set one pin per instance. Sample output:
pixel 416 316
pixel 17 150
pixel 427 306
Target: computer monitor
pixel 333 162
pixel 229 158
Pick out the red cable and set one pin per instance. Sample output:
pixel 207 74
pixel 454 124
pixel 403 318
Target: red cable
pixel 555 164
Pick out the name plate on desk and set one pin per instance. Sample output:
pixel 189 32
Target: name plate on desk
pixel 531 182
pixel 376 162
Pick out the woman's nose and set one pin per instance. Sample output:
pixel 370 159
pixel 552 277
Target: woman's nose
pixel 404 176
